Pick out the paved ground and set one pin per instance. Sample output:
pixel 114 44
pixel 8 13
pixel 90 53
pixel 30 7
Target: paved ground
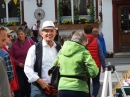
pixel 121 65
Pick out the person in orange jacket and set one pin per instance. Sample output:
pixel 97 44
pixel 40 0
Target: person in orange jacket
pixel 14 83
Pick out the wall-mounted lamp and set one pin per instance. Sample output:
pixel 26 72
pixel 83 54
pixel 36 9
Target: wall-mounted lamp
pixel 3 5
pixel 39 3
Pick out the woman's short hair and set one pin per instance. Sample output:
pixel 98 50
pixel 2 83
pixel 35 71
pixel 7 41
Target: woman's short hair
pixel 79 36
pixel 21 29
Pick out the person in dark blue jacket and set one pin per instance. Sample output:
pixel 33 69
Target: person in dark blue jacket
pixel 95 32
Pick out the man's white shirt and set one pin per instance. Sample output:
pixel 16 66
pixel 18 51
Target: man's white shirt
pixel 48 57
pixel 35 27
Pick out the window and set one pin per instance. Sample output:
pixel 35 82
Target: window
pixel 75 11
pixel 125 19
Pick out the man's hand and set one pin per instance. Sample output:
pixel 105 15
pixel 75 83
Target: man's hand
pixel 12 94
pixel 21 65
pixel 43 84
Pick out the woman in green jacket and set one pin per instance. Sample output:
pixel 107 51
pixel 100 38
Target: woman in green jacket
pixel 76 64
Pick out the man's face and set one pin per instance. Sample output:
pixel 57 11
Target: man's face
pixel 48 34
pixel 3 36
pixel 8 39
pixel 95 32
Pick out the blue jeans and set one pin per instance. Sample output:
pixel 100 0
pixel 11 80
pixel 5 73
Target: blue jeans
pixel 96 85
pixel 36 92
pixel 69 93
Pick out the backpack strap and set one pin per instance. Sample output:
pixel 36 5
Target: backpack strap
pixel 32 27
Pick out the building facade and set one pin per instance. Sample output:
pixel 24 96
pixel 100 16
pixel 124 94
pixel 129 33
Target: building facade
pixel 113 18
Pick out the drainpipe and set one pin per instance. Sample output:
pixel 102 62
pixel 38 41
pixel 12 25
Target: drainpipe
pixel 7 15
pixel 21 11
pixel 72 10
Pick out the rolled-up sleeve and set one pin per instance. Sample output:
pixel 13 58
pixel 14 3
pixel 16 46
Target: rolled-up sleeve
pixel 29 65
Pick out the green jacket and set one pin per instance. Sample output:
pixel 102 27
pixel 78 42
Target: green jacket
pixel 75 60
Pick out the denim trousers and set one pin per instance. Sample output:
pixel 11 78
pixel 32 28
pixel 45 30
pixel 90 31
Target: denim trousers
pixel 96 85
pixel 36 92
pixel 69 93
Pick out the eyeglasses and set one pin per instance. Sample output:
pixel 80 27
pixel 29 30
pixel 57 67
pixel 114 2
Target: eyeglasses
pixel 2 28
pixel 9 36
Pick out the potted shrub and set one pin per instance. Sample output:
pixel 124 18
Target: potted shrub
pixel 83 20
pixel 67 21
pixel 12 25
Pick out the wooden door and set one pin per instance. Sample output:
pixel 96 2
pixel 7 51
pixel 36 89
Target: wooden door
pixel 124 28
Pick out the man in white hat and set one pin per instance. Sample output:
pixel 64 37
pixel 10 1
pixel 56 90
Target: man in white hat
pixel 39 60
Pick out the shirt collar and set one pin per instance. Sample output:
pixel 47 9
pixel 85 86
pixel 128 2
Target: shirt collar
pixel 45 44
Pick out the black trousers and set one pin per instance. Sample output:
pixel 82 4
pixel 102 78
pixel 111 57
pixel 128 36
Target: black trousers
pixel 25 87
pixel 35 33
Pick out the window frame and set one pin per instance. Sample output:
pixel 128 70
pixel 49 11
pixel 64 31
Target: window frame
pixel 56 10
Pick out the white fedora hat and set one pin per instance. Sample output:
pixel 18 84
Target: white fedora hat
pixel 48 25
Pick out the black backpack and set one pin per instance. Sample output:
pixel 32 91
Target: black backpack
pixel 55 76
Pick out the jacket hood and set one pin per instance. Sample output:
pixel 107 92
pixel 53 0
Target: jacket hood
pixel 69 48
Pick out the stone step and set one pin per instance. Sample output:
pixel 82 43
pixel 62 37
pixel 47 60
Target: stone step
pixel 122 55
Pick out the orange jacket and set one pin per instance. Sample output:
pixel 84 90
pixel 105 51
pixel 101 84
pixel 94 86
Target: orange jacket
pixel 93 49
pixel 13 84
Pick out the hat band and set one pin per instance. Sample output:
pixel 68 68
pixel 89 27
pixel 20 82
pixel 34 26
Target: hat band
pixel 49 27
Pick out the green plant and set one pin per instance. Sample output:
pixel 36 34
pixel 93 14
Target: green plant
pixel 67 21
pixel 92 11
pixel 83 20
pixel 76 16
pixel 11 23
pixel 98 21
pixel 60 11
pixel 18 8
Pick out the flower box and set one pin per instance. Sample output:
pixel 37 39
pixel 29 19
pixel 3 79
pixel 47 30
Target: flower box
pixel 12 27
pixel 75 26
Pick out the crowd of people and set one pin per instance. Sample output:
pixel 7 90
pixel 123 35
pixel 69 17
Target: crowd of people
pixel 25 64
